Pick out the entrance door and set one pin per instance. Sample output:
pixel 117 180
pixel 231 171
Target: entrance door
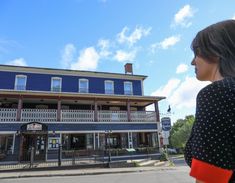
pixel 38 142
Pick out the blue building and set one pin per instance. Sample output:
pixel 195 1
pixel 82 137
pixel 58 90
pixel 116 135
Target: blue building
pixel 46 108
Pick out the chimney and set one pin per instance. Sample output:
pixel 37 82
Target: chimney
pixel 128 68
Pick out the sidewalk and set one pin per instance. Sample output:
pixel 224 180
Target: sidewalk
pixel 77 172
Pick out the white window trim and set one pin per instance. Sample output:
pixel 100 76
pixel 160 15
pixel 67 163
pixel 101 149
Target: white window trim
pixel 16 79
pixel 128 82
pixel 109 81
pixel 80 80
pixel 58 78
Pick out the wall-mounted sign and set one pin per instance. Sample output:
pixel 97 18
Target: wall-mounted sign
pixel 166 124
pixel 34 127
pixel 53 142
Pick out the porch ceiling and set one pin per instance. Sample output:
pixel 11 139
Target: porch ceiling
pixel 77 98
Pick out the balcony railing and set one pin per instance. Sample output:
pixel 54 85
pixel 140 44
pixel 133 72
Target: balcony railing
pixel 77 115
pixel 40 115
pixel 140 116
pixel 108 116
pixel 8 114
pixel 50 115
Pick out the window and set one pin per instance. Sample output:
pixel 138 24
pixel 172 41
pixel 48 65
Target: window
pixel 20 82
pixel 56 84
pixel 108 87
pixel 128 88
pixel 83 86
pixel 6 144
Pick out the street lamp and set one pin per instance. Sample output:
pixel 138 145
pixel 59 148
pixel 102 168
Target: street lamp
pixel 108 143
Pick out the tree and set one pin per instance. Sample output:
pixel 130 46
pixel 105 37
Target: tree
pixel 180 132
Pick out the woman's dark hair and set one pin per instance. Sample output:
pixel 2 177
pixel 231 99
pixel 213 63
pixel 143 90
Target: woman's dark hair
pixel 217 41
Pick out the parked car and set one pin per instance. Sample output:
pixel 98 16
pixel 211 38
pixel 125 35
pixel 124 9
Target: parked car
pixel 172 151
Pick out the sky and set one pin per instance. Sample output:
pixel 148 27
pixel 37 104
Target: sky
pixel 104 35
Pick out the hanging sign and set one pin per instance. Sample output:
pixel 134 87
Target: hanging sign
pixel 166 124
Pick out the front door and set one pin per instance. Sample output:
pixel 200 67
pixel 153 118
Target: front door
pixel 37 142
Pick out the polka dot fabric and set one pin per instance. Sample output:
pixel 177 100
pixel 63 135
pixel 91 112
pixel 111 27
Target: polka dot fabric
pixel 213 134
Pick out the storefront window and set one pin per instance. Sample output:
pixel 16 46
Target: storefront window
pixel 124 140
pixel 134 140
pixel 6 144
pixel 74 141
pixel 89 141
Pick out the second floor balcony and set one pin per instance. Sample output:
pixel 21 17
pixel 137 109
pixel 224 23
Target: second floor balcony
pixel 51 115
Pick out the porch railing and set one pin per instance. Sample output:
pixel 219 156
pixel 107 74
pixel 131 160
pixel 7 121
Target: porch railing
pixel 141 116
pixel 47 115
pixel 77 115
pixel 7 114
pixel 40 115
pixel 108 116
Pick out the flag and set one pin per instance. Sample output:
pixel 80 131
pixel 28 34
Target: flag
pixel 169 109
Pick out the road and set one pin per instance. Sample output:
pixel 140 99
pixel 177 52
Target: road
pixel 178 174
pixel 178 160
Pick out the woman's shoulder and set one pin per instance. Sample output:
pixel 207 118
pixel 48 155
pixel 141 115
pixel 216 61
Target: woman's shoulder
pixel 226 85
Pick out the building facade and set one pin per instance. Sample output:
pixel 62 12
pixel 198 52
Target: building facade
pixel 78 110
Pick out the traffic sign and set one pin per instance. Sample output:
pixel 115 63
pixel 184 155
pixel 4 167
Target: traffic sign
pixel 165 134
pixel 165 141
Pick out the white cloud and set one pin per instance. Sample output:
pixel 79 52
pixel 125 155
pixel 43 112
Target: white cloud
pixel 88 60
pixel 185 94
pixel 104 43
pixel 182 17
pixel 122 56
pixel 135 36
pixel 17 62
pixel 233 17
pixel 180 95
pixel 167 89
pixel 181 68
pixel 167 42
pixel 104 46
pixel 68 55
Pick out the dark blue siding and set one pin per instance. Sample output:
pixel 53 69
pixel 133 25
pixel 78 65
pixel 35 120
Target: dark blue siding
pixel 42 82
pixel 38 82
pixel 7 80
pixel 69 84
pixel 85 127
pixel 96 85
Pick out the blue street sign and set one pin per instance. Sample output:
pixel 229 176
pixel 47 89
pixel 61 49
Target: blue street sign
pixel 166 124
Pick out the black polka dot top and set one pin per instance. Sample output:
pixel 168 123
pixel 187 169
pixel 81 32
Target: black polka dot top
pixel 212 139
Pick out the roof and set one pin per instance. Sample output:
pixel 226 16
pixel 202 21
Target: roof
pixel 42 70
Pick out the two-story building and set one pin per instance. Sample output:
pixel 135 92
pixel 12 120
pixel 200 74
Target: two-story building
pixel 45 108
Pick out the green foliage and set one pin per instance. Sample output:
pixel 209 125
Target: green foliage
pixel 163 156
pixel 180 132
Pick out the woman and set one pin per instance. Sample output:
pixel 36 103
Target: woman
pixel 210 150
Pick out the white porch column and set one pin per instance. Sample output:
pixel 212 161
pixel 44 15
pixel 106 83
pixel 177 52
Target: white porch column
pixel 94 141
pixel 130 140
pixel 98 140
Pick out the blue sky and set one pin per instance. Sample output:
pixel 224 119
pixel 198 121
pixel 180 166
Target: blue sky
pixel 103 35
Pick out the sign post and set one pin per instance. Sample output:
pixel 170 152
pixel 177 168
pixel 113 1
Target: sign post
pixel 166 127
